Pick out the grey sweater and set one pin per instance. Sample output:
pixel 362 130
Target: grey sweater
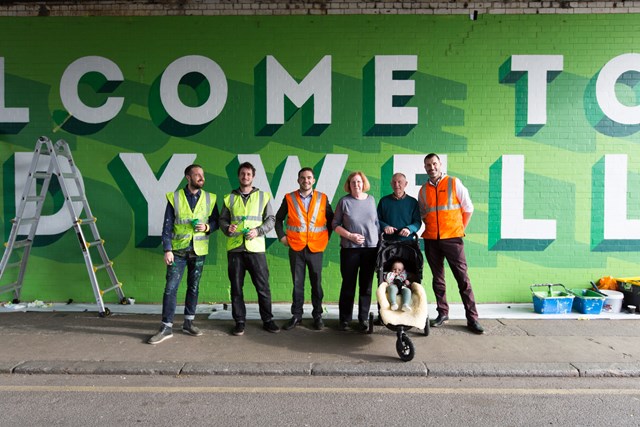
pixel 358 216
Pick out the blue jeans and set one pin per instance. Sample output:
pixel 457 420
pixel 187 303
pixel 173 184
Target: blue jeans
pixel 393 292
pixel 194 264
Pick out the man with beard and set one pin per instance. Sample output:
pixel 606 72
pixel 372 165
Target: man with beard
pixel 191 215
pixel 446 208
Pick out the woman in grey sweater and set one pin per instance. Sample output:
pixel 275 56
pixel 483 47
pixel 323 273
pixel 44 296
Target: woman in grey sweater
pixel 356 221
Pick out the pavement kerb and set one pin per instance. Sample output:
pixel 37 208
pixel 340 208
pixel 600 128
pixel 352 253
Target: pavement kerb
pixel 343 369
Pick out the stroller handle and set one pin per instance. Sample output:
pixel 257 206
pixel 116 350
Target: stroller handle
pixel 413 236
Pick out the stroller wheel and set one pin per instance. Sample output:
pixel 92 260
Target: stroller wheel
pixel 427 325
pixel 405 348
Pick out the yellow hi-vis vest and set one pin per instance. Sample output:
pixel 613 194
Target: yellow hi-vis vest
pixel 307 228
pixel 443 217
pixel 246 216
pixel 183 231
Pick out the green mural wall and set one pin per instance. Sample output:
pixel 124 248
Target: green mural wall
pixel 556 194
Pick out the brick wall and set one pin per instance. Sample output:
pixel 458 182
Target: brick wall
pixel 312 7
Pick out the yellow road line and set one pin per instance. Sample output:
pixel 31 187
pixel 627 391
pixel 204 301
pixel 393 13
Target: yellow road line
pixel 325 390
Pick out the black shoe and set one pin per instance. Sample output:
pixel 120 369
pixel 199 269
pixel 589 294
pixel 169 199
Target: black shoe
pixel 343 326
pixel 439 321
pixel 292 323
pixel 189 329
pixel 363 326
pixel 475 327
pixel 378 321
pixel 238 330
pixel 165 333
pixel 271 326
pixel 318 324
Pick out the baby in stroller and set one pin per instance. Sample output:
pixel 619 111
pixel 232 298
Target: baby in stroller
pixel 398 283
pixel 401 260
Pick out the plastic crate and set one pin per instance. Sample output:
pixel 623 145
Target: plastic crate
pixel 587 301
pixel 549 301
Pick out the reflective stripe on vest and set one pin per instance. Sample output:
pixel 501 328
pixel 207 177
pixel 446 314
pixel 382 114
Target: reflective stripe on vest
pixel 303 230
pixel 183 231
pixel 247 215
pixel 443 218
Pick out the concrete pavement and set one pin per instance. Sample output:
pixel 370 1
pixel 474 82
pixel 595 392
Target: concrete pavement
pixel 71 342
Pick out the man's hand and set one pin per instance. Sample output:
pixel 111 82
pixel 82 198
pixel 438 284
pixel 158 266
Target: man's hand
pixel 389 230
pixel 233 228
pixel 404 232
pixel 252 234
pixel 168 257
pixel 285 241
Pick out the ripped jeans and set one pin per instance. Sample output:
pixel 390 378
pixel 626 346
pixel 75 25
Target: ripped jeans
pixel 194 264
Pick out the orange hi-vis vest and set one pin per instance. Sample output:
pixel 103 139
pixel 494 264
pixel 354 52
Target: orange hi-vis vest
pixel 307 228
pixel 443 217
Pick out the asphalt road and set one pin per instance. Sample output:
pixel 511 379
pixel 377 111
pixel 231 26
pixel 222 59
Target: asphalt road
pixel 77 400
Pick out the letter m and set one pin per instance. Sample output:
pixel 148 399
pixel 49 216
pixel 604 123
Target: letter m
pixel 278 96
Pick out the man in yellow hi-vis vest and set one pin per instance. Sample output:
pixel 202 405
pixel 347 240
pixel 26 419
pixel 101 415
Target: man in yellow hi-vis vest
pixel 446 208
pixel 246 218
pixel 191 215
pixel 308 225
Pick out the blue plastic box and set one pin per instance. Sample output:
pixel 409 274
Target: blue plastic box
pixel 549 301
pixel 587 301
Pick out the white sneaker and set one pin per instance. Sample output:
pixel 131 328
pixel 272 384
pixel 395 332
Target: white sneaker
pixel 406 307
pixel 394 307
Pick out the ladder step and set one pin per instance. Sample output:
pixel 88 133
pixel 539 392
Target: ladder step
pixel 34 198
pixel 83 221
pixel 20 243
pixel 8 288
pixel 77 198
pixel 25 221
pixel 41 175
pixel 97 242
pixel 117 285
pixel 14 264
pixel 68 175
pixel 100 267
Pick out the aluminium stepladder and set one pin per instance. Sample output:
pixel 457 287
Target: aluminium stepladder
pixel 58 154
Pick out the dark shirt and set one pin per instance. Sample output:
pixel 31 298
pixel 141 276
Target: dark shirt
pixel 399 213
pixel 170 217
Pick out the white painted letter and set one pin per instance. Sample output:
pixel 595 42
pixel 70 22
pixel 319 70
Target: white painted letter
pixel 69 89
pixel 10 115
pixel 537 68
pixel 606 89
pixel 170 82
pixel 317 84
pixel 616 224
pixel 513 225
pixel 386 88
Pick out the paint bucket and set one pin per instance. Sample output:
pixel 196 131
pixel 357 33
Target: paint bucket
pixel 613 302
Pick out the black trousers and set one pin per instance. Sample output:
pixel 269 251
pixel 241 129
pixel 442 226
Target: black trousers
pixel 356 265
pixel 256 265
pixel 299 261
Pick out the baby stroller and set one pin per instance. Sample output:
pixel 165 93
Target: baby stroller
pixel 399 321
